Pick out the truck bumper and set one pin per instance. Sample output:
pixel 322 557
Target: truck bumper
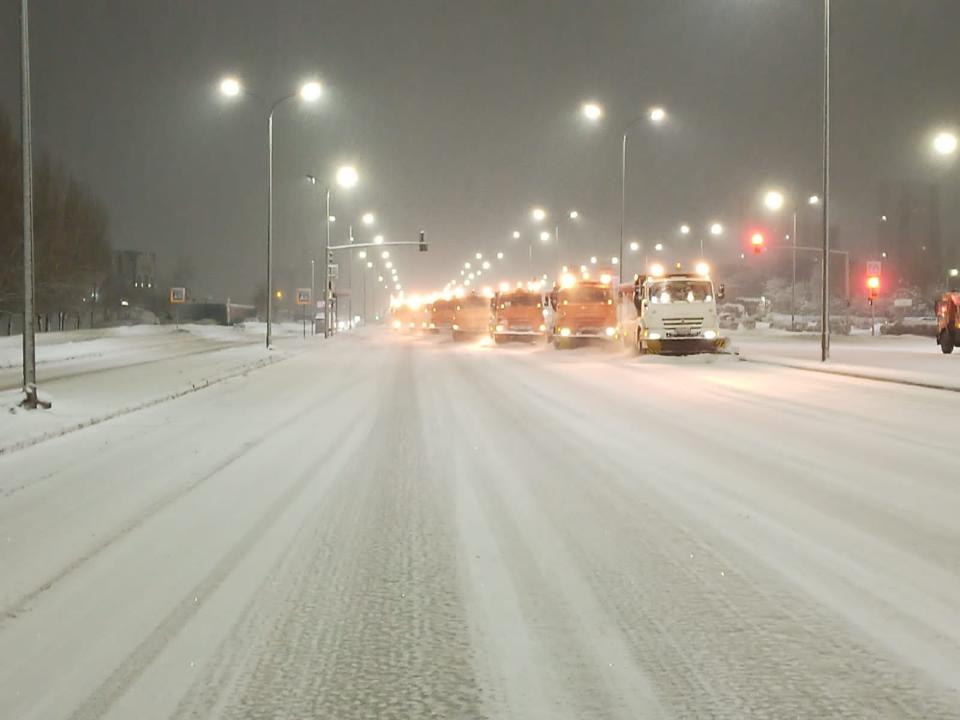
pixel 691 346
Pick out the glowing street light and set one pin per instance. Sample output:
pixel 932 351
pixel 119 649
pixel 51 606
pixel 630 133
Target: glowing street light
pixel 634 246
pixel 311 91
pixel 593 259
pixel 331 218
pixel 574 214
pixel 684 229
pixel 592 111
pixel 544 236
pixel 467 265
pixel 347 176
pixel 615 260
pixel 479 256
pixel 367 218
pixel 657 115
pixel 716 229
pixel 369 263
pixel 385 254
pixel 362 254
pixel 378 240
pixel 813 200
pixel 538 214
pixel 658 247
pixel 499 256
pixel 945 143
pixel 388 264
pixel 773 199
pixel 230 87
pixel 486 264
pixel 516 234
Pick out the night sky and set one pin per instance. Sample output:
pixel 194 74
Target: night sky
pixel 462 115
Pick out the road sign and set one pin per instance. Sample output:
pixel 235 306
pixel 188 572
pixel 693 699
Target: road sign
pixel 903 302
pixel 334 271
pixel 873 267
pixel 303 296
pixel 178 295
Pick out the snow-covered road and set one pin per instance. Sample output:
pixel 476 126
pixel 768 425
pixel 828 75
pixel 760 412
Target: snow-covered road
pixel 395 527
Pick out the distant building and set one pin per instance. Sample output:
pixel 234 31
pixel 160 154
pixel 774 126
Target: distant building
pixel 135 270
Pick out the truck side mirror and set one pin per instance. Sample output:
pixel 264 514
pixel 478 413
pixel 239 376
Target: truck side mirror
pixel 638 299
pixel 721 292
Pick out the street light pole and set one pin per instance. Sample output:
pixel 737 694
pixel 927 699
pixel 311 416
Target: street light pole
pixel 26 149
pixel 327 285
pixel 825 273
pixel 623 201
pixel 793 284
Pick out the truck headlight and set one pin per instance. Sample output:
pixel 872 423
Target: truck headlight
pixel 456 327
pixel 499 328
pixel 543 328
pixel 709 334
pixel 396 324
pixel 652 335
pixel 610 331
pixel 564 332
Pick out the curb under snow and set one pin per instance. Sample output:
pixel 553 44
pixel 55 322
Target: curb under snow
pixel 856 373
pixel 89 422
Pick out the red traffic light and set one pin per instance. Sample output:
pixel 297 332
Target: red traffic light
pixel 757 241
pixel 873 286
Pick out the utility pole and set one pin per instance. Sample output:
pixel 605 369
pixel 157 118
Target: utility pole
pixel 793 284
pixel 825 273
pixel 26 143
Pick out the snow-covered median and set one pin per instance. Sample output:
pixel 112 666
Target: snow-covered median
pixel 92 376
pixel 903 359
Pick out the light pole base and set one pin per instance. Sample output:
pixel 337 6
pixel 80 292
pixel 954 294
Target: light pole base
pixel 32 401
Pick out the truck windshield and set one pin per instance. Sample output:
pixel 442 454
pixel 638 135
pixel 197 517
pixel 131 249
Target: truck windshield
pixel 475 302
pixel 668 291
pixel 519 300
pixel 584 295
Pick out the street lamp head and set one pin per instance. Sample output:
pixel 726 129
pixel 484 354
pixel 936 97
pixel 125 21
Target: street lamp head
pixel 716 229
pixel 773 199
pixel 634 246
pixel 369 263
pixel 466 265
pixel 945 143
pixel 813 200
pixel 592 111
pixel 615 260
pixel 230 87
pixel 311 91
pixel 378 240
pixel 385 254
pixel 574 214
pixel 479 256
pixel 544 236
pixel 657 115
pixel 362 254
pixel 486 264
pixel 684 229
pixel 516 234
pixel 332 218
pixel 499 256
pixel 347 176
pixel 658 247
pixel 367 218
pixel 593 259
pixel 539 214
pixel 388 264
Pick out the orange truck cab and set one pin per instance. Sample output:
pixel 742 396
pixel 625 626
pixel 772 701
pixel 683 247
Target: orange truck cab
pixel 583 310
pixel 518 315
pixel 405 319
pixel 440 316
pixel 471 317
pixel 948 321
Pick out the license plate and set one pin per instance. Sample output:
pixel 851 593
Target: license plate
pixel 683 331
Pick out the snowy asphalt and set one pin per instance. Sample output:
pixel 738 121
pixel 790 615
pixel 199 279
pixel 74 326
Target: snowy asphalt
pixel 396 527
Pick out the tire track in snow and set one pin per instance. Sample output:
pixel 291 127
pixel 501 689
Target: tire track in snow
pixel 21 603
pixel 136 663
pixel 371 621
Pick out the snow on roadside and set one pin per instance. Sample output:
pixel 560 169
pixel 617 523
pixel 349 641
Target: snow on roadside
pixel 103 389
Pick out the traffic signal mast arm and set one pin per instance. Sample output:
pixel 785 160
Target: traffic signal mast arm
pixel 374 245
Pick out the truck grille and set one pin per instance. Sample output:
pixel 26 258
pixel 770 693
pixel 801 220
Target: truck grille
pixel 683 326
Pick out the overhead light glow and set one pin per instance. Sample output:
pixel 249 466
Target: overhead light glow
pixel 657 115
pixel 945 143
pixel 592 111
pixel 311 91
pixel 230 87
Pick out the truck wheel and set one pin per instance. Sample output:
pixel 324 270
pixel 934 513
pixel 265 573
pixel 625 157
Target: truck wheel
pixel 457 336
pixel 946 341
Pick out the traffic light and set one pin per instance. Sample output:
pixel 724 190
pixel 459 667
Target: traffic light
pixel 873 287
pixel 423 242
pixel 757 241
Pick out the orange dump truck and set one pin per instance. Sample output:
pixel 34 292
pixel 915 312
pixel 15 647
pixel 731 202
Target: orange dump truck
pixel 471 317
pixel 440 316
pixel 583 310
pixel 406 319
pixel 518 315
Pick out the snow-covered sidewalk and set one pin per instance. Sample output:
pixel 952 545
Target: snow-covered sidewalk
pixel 903 359
pixel 92 376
